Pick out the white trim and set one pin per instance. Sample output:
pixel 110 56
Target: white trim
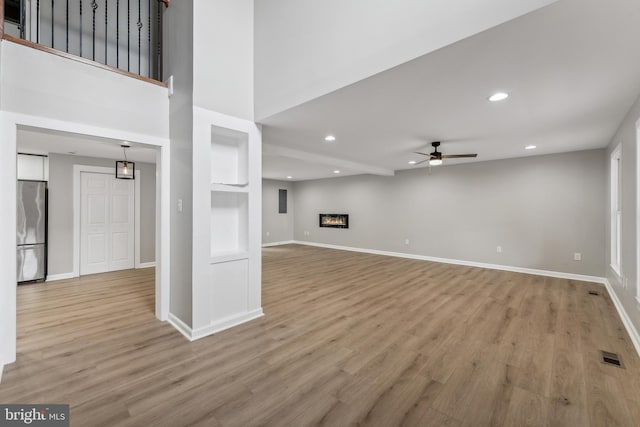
pixel 182 327
pixel 63 276
pixel 9 123
pixel 615 209
pixel 287 242
pixel 77 170
pixel 136 220
pixel 218 326
pixel 637 260
pixel 221 325
pixel 226 323
pixel 146 265
pixel 1 370
pixel 547 273
pixel 628 324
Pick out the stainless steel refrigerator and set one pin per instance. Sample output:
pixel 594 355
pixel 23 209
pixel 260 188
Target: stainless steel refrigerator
pixel 32 231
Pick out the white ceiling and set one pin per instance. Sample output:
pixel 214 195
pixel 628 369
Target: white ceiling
pixel 45 141
pixel 571 69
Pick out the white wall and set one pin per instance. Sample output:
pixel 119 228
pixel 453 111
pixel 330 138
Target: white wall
pixel 278 225
pixel 627 287
pixel 178 62
pixel 305 48
pixel 540 210
pixel 44 85
pixel 223 56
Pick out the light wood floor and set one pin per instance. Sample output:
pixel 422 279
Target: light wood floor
pixel 347 339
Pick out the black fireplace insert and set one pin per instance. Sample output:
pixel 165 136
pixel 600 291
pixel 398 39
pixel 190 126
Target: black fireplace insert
pixel 334 220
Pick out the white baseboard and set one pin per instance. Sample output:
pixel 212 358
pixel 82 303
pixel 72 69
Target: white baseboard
pixel 288 242
pixel 226 323
pixel 557 274
pixel 631 329
pixel 146 264
pixel 63 276
pixel 218 326
pixel 182 327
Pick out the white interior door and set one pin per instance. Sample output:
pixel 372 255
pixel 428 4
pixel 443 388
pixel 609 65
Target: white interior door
pixel 106 223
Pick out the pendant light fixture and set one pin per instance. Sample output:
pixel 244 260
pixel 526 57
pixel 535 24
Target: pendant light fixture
pixel 124 168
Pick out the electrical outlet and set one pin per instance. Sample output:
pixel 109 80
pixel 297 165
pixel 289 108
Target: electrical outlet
pixel 179 205
pixel 268 234
pixel 406 241
pixel 499 249
pixel 306 233
pixel 577 256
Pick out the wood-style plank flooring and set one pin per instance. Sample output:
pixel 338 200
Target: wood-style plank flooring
pixel 347 339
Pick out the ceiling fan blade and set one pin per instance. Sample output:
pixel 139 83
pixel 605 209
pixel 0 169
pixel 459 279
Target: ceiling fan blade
pixel 419 163
pixel 458 156
pixel 424 154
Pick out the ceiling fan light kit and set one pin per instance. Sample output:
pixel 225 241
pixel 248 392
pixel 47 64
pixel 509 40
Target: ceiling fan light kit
pixel 435 158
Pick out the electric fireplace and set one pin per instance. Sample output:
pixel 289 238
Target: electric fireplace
pixel 334 220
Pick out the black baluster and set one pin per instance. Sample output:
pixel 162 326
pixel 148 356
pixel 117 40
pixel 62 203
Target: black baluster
pixel 149 40
pixel 128 35
pixel 106 30
pixel 67 32
pixel 53 23
pixel 139 36
pixel 21 19
pixel 38 21
pixel 159 41
pixel 94 6
pixel 117 33
pixel 80 27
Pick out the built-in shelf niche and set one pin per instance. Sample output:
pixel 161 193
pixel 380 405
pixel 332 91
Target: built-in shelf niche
pixel 229 225
pixel 229 157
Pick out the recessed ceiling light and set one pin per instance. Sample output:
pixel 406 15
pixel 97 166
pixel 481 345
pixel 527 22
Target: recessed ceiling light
pixel 412 162
pixel 498 96
pixel 329 138
pixel 336 171
pixel 530 147
pixel 289 177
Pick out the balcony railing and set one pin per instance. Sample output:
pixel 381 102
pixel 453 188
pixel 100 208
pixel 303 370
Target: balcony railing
pixel 125 34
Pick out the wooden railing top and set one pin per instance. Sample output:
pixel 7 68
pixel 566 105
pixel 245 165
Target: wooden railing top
pixel 76 58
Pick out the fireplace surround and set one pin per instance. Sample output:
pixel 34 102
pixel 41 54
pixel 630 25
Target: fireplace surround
pixel 334 220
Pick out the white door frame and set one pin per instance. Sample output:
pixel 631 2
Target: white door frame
pixel 637 260
pixel 9 123
pixel 77 170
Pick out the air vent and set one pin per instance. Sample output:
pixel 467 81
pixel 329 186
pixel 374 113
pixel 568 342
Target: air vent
pixel 609 358
pixel 596 293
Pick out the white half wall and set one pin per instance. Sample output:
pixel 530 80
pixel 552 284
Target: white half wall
pixel 40 84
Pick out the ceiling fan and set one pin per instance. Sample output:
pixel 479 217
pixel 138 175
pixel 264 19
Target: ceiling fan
pixel 435 158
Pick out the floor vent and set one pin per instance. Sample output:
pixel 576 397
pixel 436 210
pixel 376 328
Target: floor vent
pixel 596 293
pixel 611 359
